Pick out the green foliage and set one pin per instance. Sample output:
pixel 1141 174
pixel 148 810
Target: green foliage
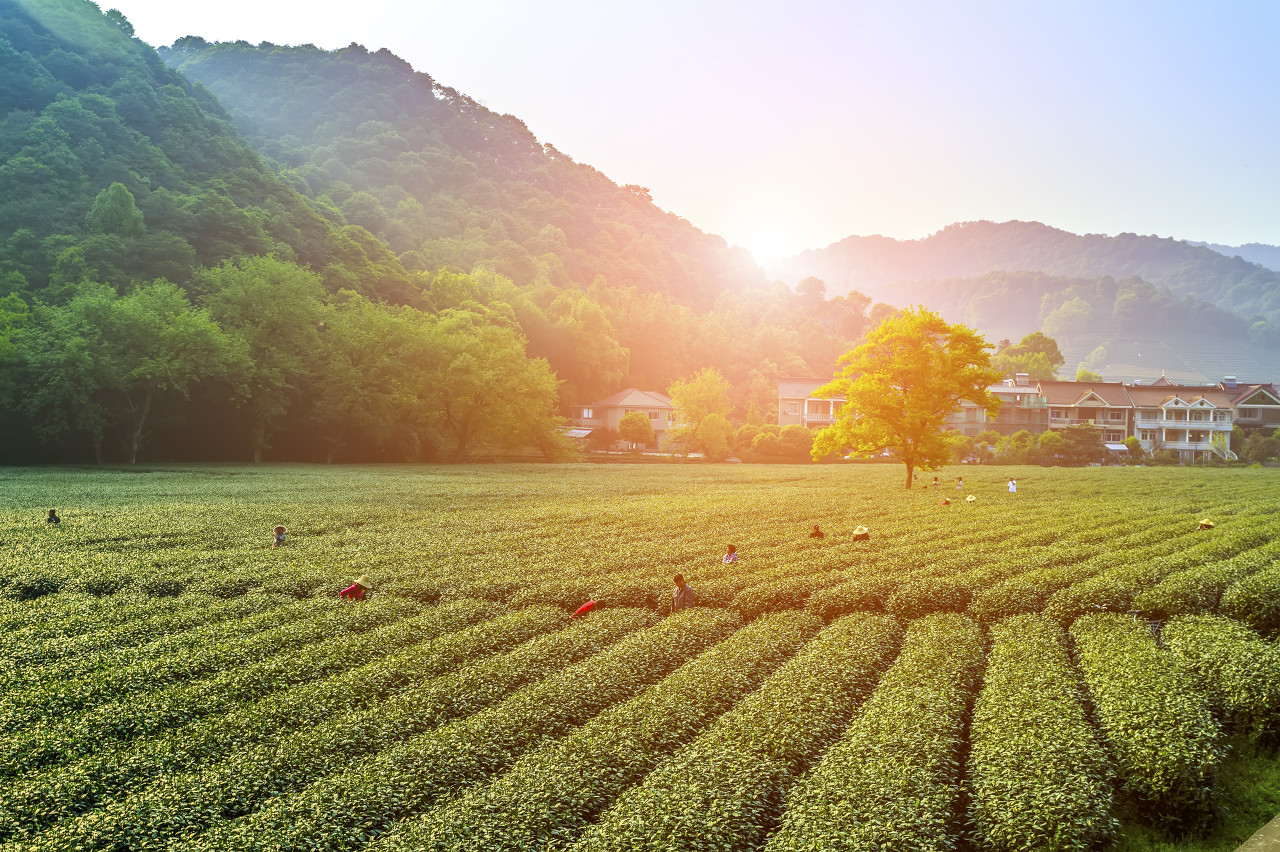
pixel 635 428
pixel 537 803
pixel 892 781
pixel 725 789
pixel 1037 355
pixel 1038 778
pixel 1255 600
pixel 1156 721
pixel 898 387
pixel 1239 669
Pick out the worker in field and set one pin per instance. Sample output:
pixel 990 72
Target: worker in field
pixel 946 502
pixel 683 596
pixel 861 534
pixel 279 537
pixel 730 555
pixel 1206 524
pixel 356 591
pixel 935 482
pixel 53 517
pixel 817 533
pixel 1013 486
pixel 584 609
pixel 959 483
pixel 970 499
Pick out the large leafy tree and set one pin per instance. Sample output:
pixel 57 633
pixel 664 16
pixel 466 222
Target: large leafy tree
pixel 103 359
pixel 898 386
pixel 1037 355
pixel 276 308
pixel 702 412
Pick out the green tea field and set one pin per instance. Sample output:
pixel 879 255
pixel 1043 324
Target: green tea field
pixel 1074 666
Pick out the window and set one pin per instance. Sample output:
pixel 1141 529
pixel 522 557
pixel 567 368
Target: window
pixel 793 407
pixel 1057 412
pixel 1113 437
pixel 1115 416
pixel 653 415
pixel 971 414
pixel 588 414
pixel 1248 414
pixel 1148 435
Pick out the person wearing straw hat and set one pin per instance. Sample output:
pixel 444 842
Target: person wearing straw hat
pixel 280 536
pixel 1206 524
pixel 355 592
pixel 53 517
pixel 861 534
pixel 946 502
pixel 970 499
pixel 683 596
pixel 817 533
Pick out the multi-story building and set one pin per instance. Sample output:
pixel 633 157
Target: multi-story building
pixel 1256 407
pixel 796 406
pixel 1194 421
pixel 1021 407
pixel 606 413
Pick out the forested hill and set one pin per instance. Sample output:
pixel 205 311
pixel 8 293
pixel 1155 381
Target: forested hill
pixel 85 105
pixel 612 290
pixel 399 274
pixel 446 182
pixel 874 265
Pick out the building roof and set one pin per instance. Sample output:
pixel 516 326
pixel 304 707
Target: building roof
pixel 1076 393
pixel 635 398
pixel 799 387
pixel 1242 392
pixel 1159 395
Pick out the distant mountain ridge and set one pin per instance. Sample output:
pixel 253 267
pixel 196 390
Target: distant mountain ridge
pixel 1259 253
pixel 1128 306
pixel 873 265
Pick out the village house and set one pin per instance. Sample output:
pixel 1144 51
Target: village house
pixel 1021 407
pixel 795 406
pixel 1256 407
pixel 606 413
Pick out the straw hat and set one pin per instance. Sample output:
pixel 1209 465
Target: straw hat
pixel 1206 524
pixel 363 580
pixel 861 530
pixel 970 499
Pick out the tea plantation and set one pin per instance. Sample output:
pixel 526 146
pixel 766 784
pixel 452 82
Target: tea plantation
pixel 1072 667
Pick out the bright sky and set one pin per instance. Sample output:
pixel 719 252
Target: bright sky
pixel 785 126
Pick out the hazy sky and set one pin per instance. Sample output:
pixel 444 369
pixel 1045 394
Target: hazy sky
pixel 785 126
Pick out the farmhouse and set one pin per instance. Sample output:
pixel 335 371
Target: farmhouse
pixel 1021 407
pixel 1255 406
pixel 606 413
pixel 796 405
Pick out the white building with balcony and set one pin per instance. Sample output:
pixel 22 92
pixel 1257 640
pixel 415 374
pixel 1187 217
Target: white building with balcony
pixel 795 405
pixel 1194 421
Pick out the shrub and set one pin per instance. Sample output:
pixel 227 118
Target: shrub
pixel 1239 669
pixel 1255 600
pixel 1154 717
pixel 1039 780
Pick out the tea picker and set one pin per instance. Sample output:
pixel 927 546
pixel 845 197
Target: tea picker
pixel 356 591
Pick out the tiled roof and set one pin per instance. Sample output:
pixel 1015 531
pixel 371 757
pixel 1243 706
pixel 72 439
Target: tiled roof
pixel 1071 393
pixel 635 397
pixel 1156 395
pixel 799 387
pixel 1241 392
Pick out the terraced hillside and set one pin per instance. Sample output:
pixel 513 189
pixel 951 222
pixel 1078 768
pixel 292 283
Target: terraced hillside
pixel 970 678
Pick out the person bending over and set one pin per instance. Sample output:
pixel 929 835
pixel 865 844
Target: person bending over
pixel 683 596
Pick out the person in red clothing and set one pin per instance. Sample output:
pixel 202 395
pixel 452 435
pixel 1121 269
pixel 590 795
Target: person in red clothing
pixel 356 590
pixel 584 609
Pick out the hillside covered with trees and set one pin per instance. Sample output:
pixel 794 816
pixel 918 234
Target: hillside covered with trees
pixel 396 273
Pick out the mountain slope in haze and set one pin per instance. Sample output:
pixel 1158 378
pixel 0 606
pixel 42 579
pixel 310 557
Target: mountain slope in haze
pixel 1128 307
pixel 875 265
pixel 445 181
pixel 85 105
pixel 612 290
pixel 1259 253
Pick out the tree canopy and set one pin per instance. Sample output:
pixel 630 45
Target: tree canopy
pixel 898 387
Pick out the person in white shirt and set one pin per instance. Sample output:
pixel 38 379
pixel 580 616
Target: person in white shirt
pixel 1013 486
